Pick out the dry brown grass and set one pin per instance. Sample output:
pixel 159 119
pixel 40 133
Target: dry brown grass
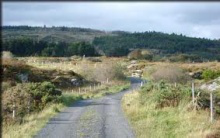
pixel 171 74
pixel 190 67
pixel 78 65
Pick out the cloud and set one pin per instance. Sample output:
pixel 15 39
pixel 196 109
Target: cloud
pixel 192 19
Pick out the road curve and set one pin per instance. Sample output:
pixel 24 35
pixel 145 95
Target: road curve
pixel 93 118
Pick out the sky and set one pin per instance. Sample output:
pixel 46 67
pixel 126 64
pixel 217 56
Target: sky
pixel 196 19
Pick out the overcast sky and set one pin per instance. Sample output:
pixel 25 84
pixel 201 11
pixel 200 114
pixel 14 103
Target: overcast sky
pixel 198 19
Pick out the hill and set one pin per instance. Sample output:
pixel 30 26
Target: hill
pixel 68 41
pixel 53 34
pixel 161 44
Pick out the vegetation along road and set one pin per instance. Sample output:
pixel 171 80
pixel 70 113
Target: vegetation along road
pixel 93 118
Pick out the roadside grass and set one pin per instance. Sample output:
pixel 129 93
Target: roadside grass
pixel 36 121
pixel 168 122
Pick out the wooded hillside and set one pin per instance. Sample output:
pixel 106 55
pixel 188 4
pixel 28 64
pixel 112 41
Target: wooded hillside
pixel 66 41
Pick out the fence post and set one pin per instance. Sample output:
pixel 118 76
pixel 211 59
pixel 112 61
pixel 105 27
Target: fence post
pixel 175 84
pixel 141 83
pixel 13 112
pixel 29 102
pixel 211 107
pixel 90 87
pixel 193 94
pixel 72 90
pixel 107 80
pixel 79 89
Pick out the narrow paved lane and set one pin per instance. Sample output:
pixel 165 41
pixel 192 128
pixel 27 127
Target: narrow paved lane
pixel 93 118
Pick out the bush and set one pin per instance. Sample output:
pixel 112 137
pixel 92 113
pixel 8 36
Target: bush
pixel 164 94
pixel 28 97
pixel 170 74
pixel 210 74
pixel 140 54
pixel 204 100
pixel 112 71
pixel 7 55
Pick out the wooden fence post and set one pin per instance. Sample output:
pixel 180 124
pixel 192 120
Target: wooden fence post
pixel 29 107
pixel 211 107
pixel 13 112
pixel 79 89
pixel 141 83
pixel 193 93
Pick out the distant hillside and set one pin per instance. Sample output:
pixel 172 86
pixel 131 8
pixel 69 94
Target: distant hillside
pixel 68 41
pixel 53 34
pixel 162 45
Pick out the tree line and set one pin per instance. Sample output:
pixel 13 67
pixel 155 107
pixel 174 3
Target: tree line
pixel 160 45
pixel 30 47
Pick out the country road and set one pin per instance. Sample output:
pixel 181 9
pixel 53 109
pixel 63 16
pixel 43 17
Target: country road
pixel 93 118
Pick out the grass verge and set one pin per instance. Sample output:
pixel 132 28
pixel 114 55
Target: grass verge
pixel 36 121
pixel 168 122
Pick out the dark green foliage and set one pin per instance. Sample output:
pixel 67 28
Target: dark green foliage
pixel 210 74
pixel 204 100
pixel 81 49
pixel 43 93
pixel 196 49
pixel 56 41
pixel 164 94
pixel 30 47
pixel 28 97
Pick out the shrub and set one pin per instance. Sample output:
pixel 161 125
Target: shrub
pixel 7 55
pixel 112 71
pixel 135 54
pixel 140 54
pixel 204 100
pixel 210 74
pixel 164 94
pixel 170 74
pixel 28 97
